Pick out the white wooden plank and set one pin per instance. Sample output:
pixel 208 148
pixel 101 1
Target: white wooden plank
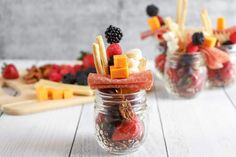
pixel 46 134
pixel 86 145
pixel 230 92
pixel 200 127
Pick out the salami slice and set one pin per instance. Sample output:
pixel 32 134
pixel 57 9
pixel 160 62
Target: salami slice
pixel 136 81
pixel 215 57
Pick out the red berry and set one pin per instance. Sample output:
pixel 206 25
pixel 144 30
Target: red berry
pixel 128 130
pixel 113 49
pixel 88 61
pixel 191 48
pixel 78 67
pixel 9 71
pixel 55 68
pixel 54 76
pixel 233 37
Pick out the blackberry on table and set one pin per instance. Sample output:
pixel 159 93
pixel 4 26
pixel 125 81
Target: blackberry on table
pixel 113 34
pixel 152 10
pixel 198 38
pixel 90 70
pixel 68 79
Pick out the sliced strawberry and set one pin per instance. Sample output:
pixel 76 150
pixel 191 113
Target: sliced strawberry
pixel 191 48
pixel 114 49
pixel 128 130
pixel 9 71
pixel 88 61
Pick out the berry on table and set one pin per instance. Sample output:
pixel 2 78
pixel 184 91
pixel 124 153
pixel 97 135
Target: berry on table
pixel 9 71
pixel 68 79
pixel 113 34
pixel 198 38
pixel 152 10
pixel 54 76
pixel 88 61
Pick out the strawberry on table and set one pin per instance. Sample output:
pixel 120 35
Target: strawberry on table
pixel 9 71
pixel 88 61
pixel 56 77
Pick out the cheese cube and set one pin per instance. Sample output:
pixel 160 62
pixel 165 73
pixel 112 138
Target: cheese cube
pixel 50 92
pixel 120 61
pixel 119 73
pixel 41 93
pixel 154 23
pixel 209 41
pixel 68 93
pixel 221 23
pixel 57 93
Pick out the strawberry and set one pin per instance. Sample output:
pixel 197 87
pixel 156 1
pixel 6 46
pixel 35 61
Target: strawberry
pixel 56 77
pixel 78 67
pixel 55 68
pixel 160 62
pixel 88 61
pixel 113 49
pixel 191 48
pixel 233 37
pixel 9 71
pixel 128 130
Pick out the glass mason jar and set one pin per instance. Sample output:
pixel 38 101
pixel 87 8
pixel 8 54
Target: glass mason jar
pixel 185 74
pixel 121 120
pixel 225 75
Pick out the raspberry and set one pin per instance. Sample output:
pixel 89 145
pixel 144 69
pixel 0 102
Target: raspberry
pixel 78 67
pixel 191 48
pixel 233 37
pixel 113 49
pixel 152 10
pixel 56 77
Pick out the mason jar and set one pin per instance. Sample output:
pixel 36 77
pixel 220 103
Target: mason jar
pixel 121 120
pixel 225 75
pixel 185 74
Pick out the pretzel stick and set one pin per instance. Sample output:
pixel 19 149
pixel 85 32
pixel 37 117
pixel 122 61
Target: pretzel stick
pixel 183 14
pixel 97 59
pixel 179 10
pixel 206 21
pixel 102 53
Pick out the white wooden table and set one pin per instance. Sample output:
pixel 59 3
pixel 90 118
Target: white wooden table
pixel 200 127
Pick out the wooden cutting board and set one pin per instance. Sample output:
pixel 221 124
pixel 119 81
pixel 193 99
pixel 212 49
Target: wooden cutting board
pixel 26 103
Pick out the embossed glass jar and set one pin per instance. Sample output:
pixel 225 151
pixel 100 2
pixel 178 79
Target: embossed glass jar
pixel 225 75
pixel 185 74
pixel 121 120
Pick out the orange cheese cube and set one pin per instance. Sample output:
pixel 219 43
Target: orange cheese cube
pixel 154 23
pixel 68 93
pixel 57 93
pixel 209 41
pixel 41 93
pixel 221 23
pixel 119 73
pixel 120 61
pixel 50 92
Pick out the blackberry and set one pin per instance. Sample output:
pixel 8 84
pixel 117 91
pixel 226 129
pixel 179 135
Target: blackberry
pixel 90 70
pixel 81 78
pixel 113 34
pixel 152 10
pixel 68 79
pixel 198 38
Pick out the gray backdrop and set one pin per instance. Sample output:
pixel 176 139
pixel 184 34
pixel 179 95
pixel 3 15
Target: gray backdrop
pixel 59 29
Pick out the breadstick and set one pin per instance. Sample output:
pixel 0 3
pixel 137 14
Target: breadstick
pixel 206 21
pixel 97 59
pixel 103 53
pixel 183 13
pixel 179 10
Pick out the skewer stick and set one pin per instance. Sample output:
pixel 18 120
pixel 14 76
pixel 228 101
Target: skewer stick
pixel 97 59
pixel 103 53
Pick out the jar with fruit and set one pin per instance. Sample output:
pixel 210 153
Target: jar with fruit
pixel 224 75
pixel 121 120
pixel 121 81
pixel 185 71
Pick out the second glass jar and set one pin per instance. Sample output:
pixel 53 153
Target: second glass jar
pixel 185 74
